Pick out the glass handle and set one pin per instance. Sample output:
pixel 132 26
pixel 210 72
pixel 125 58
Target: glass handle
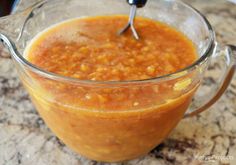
pixel 228 54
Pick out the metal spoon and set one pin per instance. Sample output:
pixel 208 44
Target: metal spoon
pixel 134 5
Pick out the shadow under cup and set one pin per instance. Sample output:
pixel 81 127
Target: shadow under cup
pixel 114 121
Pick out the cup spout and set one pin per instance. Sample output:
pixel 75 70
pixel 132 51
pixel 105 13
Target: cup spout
pixel 8 44
pixel 9 25
pixel 13 25
pixel 10 30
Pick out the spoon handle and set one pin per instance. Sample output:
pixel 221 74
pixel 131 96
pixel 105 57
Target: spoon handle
pixel 138 3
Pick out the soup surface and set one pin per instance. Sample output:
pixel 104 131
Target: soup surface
pixel 90 49
pixel 111 122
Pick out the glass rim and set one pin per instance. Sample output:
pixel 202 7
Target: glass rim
pixel 179 73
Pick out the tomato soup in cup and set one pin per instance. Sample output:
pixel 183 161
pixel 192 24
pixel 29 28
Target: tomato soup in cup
pixel 111 97
pixel 111 123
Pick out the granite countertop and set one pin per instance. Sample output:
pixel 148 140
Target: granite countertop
pixel 209 138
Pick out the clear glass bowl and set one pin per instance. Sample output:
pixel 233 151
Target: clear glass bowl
pixel 124 119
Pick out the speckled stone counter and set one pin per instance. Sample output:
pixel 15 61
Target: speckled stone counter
pixel 209 138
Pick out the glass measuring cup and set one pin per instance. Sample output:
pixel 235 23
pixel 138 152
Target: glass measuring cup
pixel 97 130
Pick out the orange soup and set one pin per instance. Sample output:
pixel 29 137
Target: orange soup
pixel 111 122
